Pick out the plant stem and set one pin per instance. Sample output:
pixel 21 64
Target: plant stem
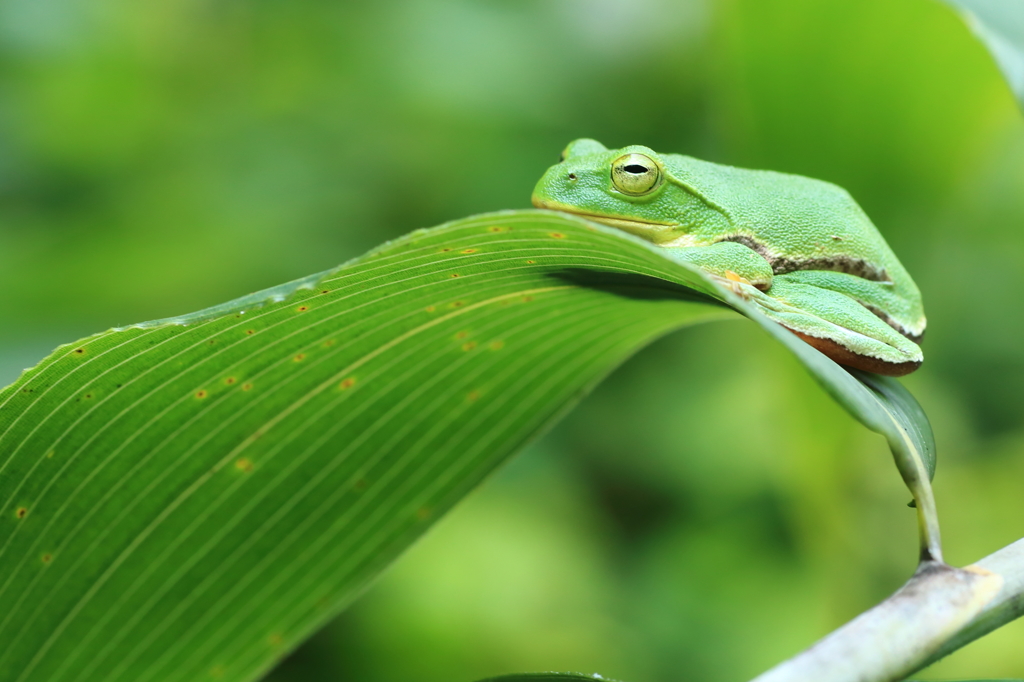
pixel 903 633
pixel 1007 605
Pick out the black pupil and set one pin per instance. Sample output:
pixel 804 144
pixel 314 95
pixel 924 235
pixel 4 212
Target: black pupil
pixel 635 169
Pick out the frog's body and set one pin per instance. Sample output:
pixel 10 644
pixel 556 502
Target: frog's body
pixel 802 249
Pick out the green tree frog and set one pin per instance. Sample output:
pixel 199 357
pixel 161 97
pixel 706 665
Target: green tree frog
pixel 801 249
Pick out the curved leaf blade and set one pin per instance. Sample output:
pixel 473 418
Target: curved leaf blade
pixel 190 498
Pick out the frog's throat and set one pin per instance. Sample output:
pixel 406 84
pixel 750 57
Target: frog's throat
pixel 651 231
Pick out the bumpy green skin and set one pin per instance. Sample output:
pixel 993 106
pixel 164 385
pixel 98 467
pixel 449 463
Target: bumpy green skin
pixel 802 249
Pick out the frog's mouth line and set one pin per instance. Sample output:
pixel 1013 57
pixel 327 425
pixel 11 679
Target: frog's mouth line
pixel 621 223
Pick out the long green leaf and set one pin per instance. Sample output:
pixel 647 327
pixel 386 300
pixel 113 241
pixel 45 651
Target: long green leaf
pixel 189 499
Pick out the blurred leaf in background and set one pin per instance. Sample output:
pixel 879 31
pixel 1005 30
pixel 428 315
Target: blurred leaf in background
pixel 159 157
pixel 1000 25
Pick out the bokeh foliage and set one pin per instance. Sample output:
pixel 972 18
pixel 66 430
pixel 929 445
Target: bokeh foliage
pixel 159 157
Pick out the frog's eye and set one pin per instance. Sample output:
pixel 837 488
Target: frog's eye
pixel 635 174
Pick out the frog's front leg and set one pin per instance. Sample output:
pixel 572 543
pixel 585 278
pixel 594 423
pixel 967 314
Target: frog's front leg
pixel 728 260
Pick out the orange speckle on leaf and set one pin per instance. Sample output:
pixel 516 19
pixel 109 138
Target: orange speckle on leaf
pixel 302 308
pixel 47 558
pixel 21 512
pixel 247 387
pixel 473 396
pixel 250 332
pixel 430 308
pixel 527 299
pixel 469 345
pixel 530 262
pixel 329 342
pixel 497 345
pixel 244 464
pixel 558 235
pixel 299 358
pixel 347 383
pixel 458 304
pixel 230 380
pixel 201 394
pixel 461 335
pixel 445 250
pixel 496 228
pixel 454 275
pixel 469 250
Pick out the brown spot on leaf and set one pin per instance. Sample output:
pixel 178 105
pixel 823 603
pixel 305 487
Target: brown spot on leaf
pixel 469 345
pixel 47 558
pixel 461 335
pixel 558 235
pixel 329 342
pixel 275 640
pixel 230 380
pixel 21 512
pixel 423 513
pixel 469 250
pixel 244 464
pixel 201 394
pixel 79 351
pixel 473 396
pixel 299 358
pixel 497 345
pixel 302 308
pixel 445 250
pixel 454 275
pixel 527 299
pixel 458 304
pixel 360 485
pixel 430 308
pixel 247 387
pixel 347 384
pixel 326 291
pixel 530 262
pixel 497 228
pixel 250 332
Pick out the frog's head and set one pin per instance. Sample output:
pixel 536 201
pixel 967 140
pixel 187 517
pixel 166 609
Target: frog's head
pixel 627 188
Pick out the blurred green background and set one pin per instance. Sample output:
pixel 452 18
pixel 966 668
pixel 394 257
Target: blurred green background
pixel 708 511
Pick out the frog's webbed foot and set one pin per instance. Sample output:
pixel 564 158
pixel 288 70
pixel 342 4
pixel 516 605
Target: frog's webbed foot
pixel 737 284
pixel 840 327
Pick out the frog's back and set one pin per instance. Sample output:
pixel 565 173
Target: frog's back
pixel 805 219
